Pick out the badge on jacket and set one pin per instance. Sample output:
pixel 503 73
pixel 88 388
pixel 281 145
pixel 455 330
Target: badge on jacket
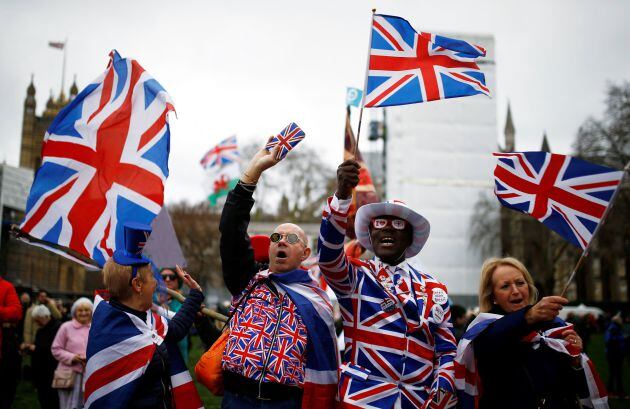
pixel 388 305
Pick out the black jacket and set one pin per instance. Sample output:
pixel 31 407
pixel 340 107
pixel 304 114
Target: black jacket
pixel 43 361
pixel 516 376
pixel 153 390
pixel 237 255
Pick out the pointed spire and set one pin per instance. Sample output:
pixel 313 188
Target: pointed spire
pixel 30 91
pixel 509 131
pixel 74 90
pixel 545 143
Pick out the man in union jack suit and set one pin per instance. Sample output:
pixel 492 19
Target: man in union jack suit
pixel 399 343
pixel 281 349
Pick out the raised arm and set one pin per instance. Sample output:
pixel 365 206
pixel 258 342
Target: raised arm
pixel 237 255
pixel 333 262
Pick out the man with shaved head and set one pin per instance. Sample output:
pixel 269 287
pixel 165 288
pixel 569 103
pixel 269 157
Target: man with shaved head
pixel 281 349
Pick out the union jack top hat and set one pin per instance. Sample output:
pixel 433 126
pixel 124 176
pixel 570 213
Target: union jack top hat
pixel 136 236
pixel 396 208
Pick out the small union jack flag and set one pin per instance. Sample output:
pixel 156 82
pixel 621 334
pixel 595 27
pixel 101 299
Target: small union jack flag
pixel 407 67
pixel 566 194
pixel 288 138
pixel 224 153
pixel 104 163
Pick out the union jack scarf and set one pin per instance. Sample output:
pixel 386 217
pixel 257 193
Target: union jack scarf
pixel 316 311
pixel 467 379
pixel 120 348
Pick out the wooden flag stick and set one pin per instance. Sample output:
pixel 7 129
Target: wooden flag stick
pixel 367 71
pixel 599 225
pixel 207 311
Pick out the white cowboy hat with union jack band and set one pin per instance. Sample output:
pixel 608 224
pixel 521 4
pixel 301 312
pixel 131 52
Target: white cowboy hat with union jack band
pixel 396 208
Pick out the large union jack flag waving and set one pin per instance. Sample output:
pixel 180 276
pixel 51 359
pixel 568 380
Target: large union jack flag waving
pixel 104 162
pixel 407 67
pixel 566 194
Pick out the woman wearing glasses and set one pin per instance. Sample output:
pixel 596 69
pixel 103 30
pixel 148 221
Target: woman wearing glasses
pixel 174 282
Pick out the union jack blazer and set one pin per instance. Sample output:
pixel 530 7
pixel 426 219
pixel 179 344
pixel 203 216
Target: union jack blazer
pixel 399 347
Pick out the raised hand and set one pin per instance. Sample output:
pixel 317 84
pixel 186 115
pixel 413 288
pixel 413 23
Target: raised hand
pixel 347 178
pixel 262 161
pixel 187 279
pixel 546 309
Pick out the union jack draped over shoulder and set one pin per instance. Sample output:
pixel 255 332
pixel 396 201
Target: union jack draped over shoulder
pixel 104 162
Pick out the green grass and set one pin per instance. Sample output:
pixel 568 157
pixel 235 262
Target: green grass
pixel 26 397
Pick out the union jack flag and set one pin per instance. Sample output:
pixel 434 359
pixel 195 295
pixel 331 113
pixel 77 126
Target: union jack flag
pixel 120 348
pixel 288 138
pixel 407 67
pixel 224 153
pixel 104 162
pixel 566 194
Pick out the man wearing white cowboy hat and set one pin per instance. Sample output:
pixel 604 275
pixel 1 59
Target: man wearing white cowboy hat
pixel 399 344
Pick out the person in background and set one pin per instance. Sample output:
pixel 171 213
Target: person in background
pixel 615 350
pixel 10 316
pixel 43 362
pixel 459 318
pixel 29 328
pixel 69 349
pixel 174 282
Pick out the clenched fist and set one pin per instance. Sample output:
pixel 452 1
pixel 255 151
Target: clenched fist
pixel 546 309
pixel 347 178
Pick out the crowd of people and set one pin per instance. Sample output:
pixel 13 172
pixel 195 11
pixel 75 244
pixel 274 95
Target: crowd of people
pixel 405 345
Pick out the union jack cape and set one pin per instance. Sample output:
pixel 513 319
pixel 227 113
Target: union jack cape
pixel 104 162
pixel 316 311
pixel 407 67
pixel 120 348
pixel 467 378
pixel 566 194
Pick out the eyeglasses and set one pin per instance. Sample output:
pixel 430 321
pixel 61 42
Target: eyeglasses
pixel 291 238
pixel 169 277
pixel 398 224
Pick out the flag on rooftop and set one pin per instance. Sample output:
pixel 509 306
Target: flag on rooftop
pixel 104 163
pixel 56 44
pixel 406 67
pixel 566 194
pixel 224 153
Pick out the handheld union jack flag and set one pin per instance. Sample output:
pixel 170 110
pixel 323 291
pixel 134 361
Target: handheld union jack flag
pixel 104 162
pixel 224 153
pixel 566 194
pixel 406 67
pixel 288 138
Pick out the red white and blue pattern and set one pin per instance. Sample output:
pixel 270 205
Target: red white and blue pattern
pixel 224 153
pixel 407 67
pixel 566 194
pixel 104 162
pixel 282 351
pixel 288 138
pixel 397 330
pixel 120 348
pixel 467 379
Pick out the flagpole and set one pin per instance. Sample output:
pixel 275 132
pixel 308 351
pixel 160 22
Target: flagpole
pixel 367 70
pixel 63 67
pixel 603 220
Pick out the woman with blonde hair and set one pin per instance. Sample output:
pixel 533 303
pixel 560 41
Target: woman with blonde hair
pixel 517 353
pixel 69 349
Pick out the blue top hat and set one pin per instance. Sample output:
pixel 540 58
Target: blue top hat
pixel 136 236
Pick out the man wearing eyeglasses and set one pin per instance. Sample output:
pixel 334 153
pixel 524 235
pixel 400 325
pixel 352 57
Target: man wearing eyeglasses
pixel 399 343
pixel 281 351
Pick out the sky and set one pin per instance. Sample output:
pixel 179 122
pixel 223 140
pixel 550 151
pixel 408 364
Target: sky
pixel 249 67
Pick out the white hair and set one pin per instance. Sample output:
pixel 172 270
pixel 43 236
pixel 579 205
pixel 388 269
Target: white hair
pixel 81 301
pixel 40 311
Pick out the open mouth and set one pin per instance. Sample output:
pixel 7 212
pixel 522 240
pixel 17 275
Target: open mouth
pixel 517 301
pixel 387 241
pixel 281 255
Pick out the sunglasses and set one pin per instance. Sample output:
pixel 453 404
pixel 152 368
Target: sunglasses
pixel 398 224
pixel 169 277
pixel 291 238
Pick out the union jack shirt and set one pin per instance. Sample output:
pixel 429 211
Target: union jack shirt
pixel 406 67
pixel 568 195
pixel 399 344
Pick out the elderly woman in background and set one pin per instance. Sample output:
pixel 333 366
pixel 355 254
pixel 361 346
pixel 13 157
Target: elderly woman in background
pixel 69 349
pixel 522 354
pixel 43 363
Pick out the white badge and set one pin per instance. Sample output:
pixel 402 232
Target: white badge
pixel 439 296
pixel 438 313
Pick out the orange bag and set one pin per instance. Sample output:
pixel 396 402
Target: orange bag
pixel 208 369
